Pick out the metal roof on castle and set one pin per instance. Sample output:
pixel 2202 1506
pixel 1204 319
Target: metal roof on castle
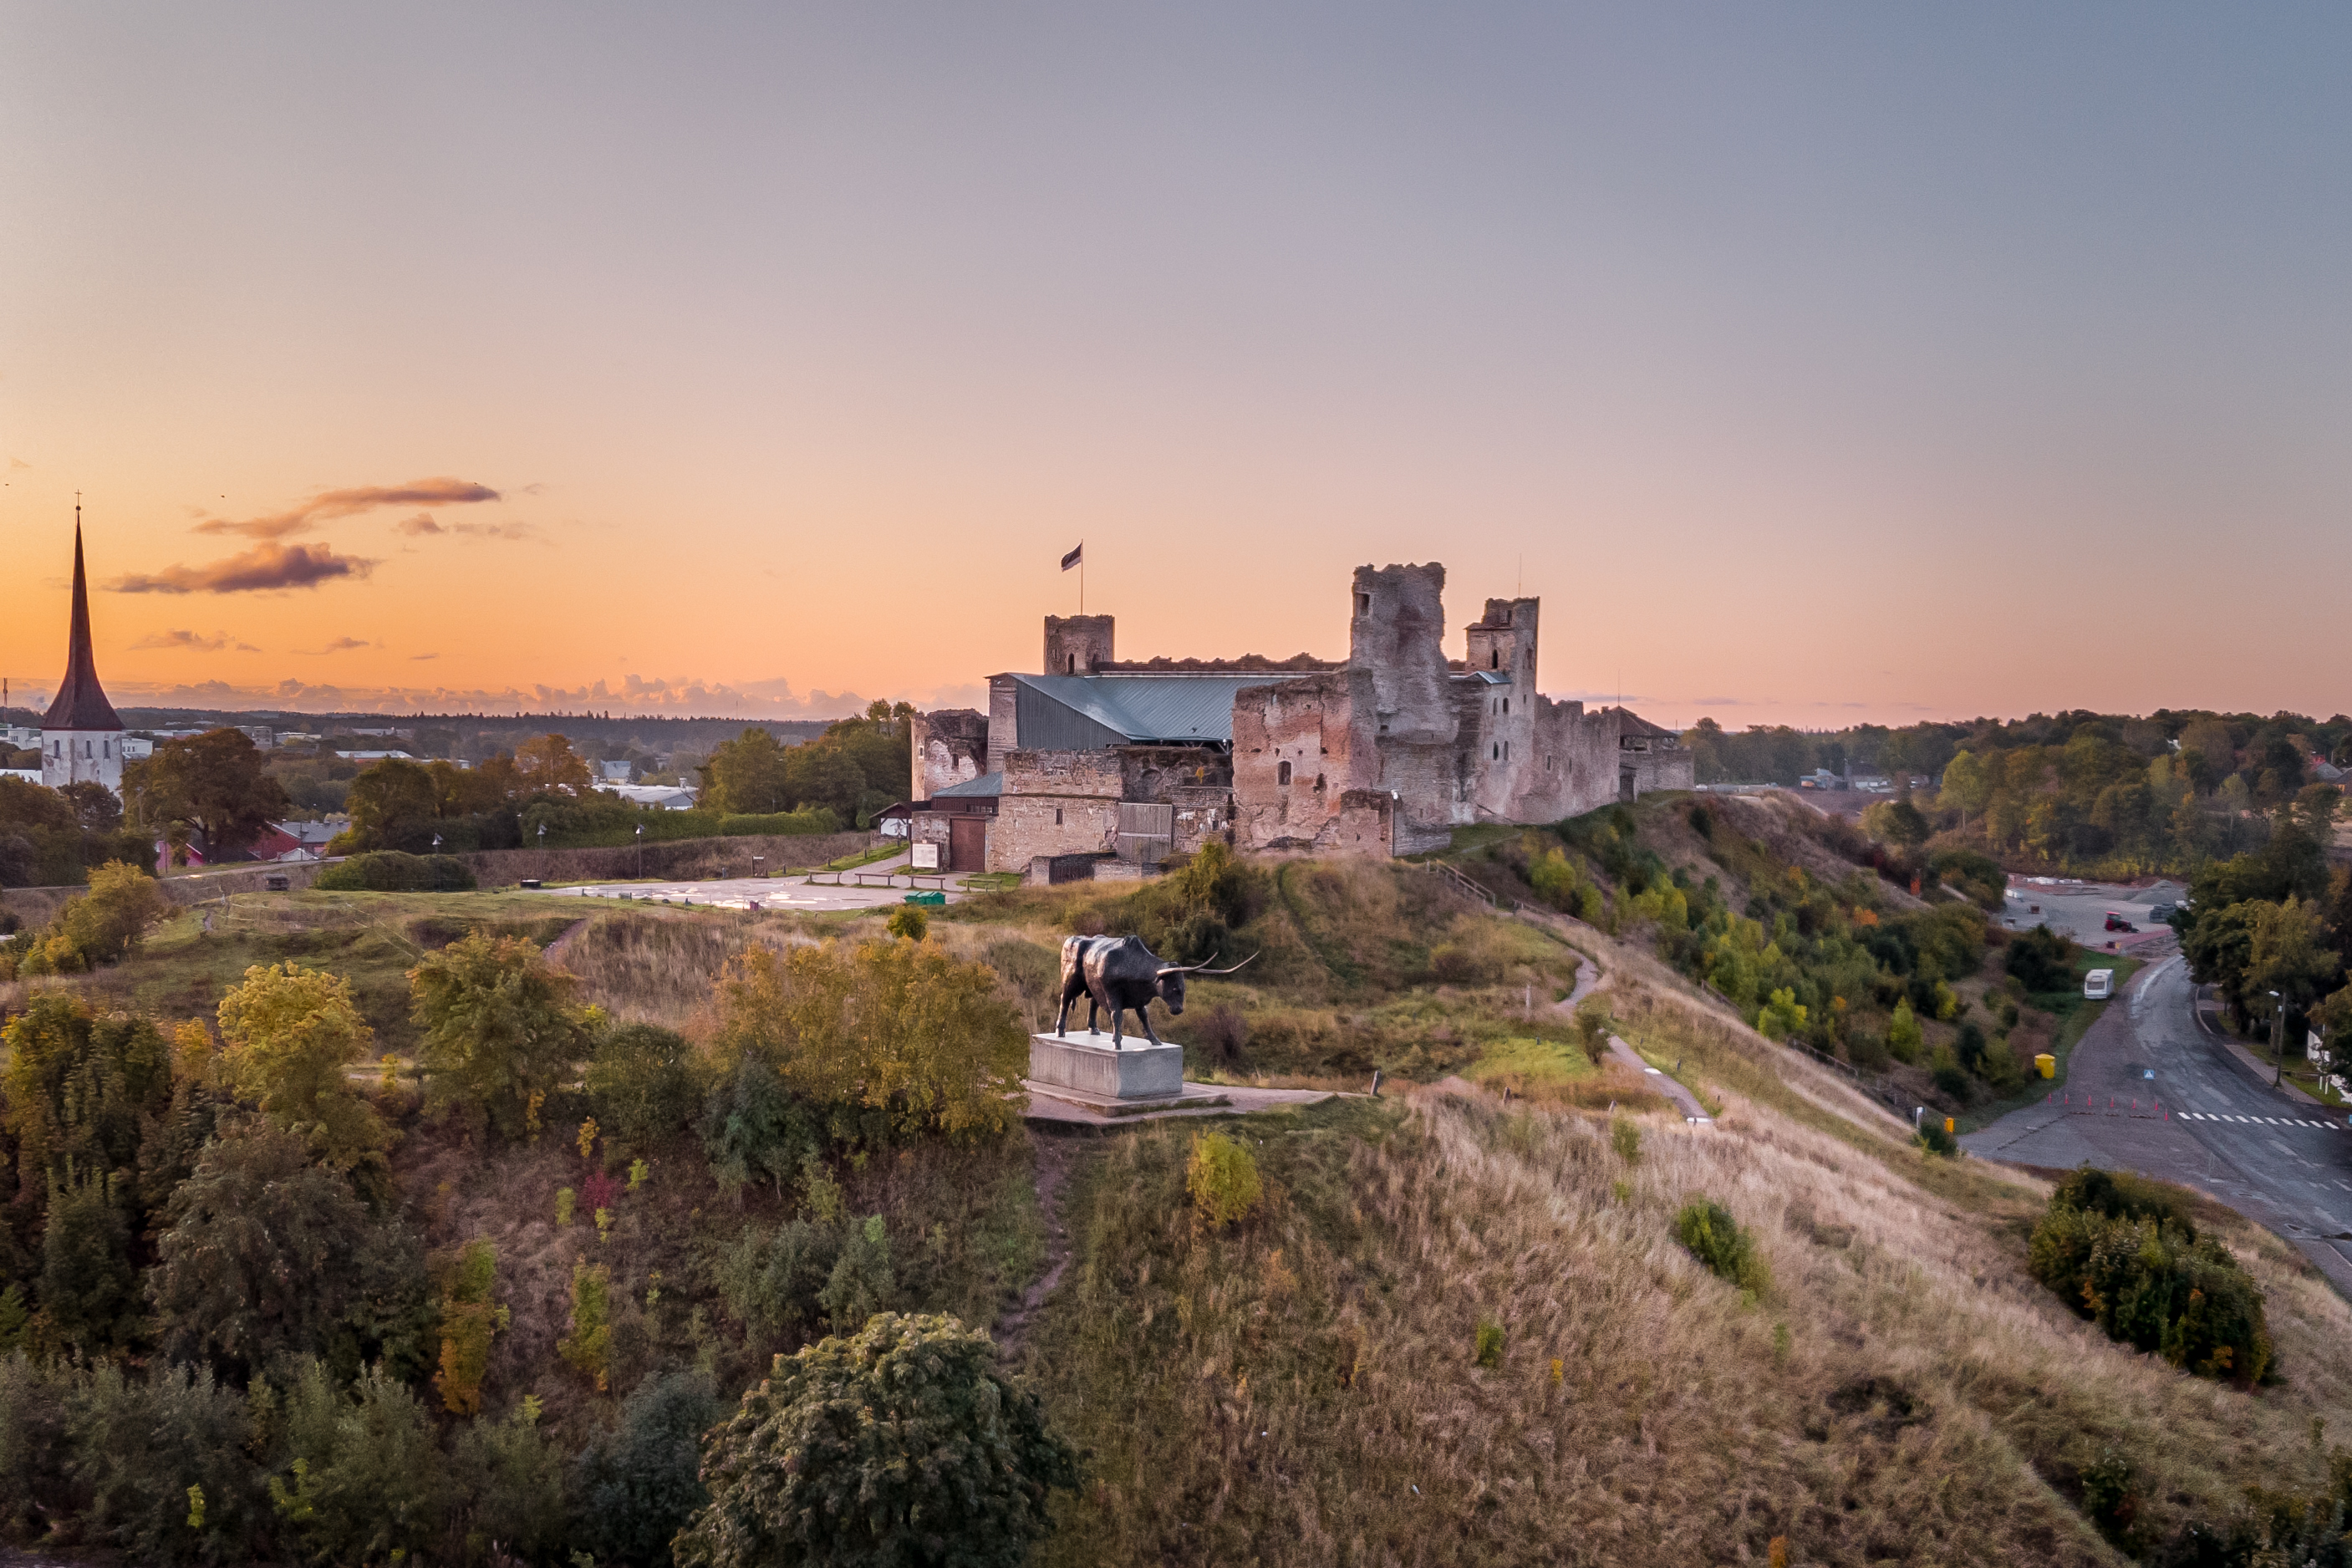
pixel 81 701
pixel 1180 710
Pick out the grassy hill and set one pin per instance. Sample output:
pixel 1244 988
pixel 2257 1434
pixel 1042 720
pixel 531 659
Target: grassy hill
pixel 1456 1331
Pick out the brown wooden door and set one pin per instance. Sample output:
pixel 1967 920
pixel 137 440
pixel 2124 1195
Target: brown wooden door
pixel 967 844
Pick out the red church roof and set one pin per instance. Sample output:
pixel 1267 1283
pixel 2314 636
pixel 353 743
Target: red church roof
pixel 81 701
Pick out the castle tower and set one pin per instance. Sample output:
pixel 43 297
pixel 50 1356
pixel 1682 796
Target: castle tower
pixel 1077 645
pixel 81 737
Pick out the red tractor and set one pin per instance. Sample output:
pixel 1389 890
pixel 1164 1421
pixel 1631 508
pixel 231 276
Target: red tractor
pixel 2117 922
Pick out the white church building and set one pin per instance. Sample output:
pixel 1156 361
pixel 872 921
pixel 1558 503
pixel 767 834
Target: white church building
pixel 81 737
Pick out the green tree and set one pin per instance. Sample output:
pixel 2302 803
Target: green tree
pixel 471 1315
pixel 548 762
pixel 263 1255
pixel 218 782
pixel 639 1486
pixel 509 1477
pixel 393 804
pixel 97 927
pixel 1968 785
pixel 137 1445
pixel 645 1084
pixel 80 1087
pixel 2289 954
pixel 89 1289
pixel 863 1280
pixel 748 774
pixel 903 1444
pixel 500 1030
pixel 1897 822
pixel 1903 1036
pixel 292 1032
pixel 929 1042
pixel 362 1481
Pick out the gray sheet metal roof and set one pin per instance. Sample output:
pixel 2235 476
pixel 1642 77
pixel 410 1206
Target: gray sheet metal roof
pixel 1183 709
pixel 985 784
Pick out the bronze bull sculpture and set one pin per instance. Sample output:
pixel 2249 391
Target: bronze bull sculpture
pixel 1121 975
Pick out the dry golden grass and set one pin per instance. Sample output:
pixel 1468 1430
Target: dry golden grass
pixel 1277 1394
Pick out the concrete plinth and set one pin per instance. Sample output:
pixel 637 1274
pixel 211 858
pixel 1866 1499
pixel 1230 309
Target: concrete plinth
pixel 1086 1066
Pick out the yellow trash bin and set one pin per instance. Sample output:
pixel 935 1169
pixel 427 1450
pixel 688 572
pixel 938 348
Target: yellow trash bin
pixel 2047 1063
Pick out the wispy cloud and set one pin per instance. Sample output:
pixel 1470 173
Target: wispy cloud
pixel 424 522
pixel 340 645
pixel 329 504
pixel 259 570
pixel 424 656
pixel 194 642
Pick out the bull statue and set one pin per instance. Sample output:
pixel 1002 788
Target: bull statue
pixel 1118 972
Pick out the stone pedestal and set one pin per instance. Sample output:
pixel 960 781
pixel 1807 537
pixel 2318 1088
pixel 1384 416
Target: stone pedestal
pixel 1086 1065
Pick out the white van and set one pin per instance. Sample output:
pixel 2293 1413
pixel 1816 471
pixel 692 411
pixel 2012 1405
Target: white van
pixel 2099 984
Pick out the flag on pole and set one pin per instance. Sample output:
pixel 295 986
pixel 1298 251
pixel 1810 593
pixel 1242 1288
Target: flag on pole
pixel 1074 557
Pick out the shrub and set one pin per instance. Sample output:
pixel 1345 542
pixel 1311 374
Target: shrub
pixel 640 1485
pixel 862 1281
pixel 391 871
pixel 139 1445
pixel 1224 1033
pixel 1952 1078
pixel 2041 960
pixel 927 1043
pixel 291 1033
pixel 645 1082
pixel 510 1485
pixel 470 1318
pixel 1709 1233
pixel 363 1482
pixel 1627 1138
pixel 500 1030
pixel 1490 1342
pixel 2122 1252
pixel 1903 1036
pixel 1593 1027
pixel 1221 1176
pixel 1782 1015
pixel 95 927
pixel 771 1281
pixel 589 1346
pixel 908 922
pixel 1935 1141
pixel 882 1448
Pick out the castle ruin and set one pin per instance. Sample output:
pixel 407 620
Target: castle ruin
pixel 1094 767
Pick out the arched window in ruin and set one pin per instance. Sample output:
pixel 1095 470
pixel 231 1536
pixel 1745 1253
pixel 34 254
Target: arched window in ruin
pixel 1282 774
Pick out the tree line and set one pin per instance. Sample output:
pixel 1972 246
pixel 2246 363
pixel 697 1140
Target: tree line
pixel 224 1336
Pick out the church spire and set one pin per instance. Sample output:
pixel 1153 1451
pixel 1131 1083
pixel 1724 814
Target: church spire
pixel 81 701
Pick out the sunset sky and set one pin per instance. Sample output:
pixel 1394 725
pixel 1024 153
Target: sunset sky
pixel 1814 362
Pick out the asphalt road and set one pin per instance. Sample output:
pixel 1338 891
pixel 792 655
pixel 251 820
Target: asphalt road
pixel 2203 1117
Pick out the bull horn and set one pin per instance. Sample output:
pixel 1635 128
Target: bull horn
pixel 1203 969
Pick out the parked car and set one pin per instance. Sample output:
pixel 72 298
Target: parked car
pixel 2161 914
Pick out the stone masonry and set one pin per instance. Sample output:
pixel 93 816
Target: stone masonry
pixel 1384 754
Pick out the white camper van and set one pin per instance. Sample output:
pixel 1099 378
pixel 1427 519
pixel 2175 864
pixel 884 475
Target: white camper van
pixel 2099 984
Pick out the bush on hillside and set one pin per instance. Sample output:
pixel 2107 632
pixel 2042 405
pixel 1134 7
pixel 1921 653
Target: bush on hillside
pixel 886 1039
pixel 501 1033
pixel 95 927
pixel 645 1084
pixel 2122 1252
pixel 1709 1233
pixel 909 923
pixel 1221 1176
pixel 391 871
pixel 884 1446
pixel 2041 960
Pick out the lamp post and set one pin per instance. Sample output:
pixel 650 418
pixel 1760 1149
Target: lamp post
pixel 641 851
pixel 2278 1040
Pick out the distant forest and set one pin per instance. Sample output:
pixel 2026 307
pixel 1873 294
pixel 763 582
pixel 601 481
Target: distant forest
pixel 2109 794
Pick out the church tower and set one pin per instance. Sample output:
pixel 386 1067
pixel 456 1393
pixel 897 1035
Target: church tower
pixel 81 737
